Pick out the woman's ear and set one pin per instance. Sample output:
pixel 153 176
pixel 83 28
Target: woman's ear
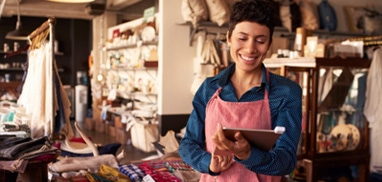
pixel 228 38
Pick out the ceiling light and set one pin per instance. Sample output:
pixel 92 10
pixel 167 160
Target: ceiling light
pixel 17 34
pixel 71 1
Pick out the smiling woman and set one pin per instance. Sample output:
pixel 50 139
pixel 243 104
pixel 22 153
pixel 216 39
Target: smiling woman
pixel 244 95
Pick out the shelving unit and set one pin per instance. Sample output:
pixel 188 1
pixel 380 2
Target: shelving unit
pixel 281 31
pixel 335 132
pixel 19 58
pixel 126 76
pixel 130 45
pixel 348 128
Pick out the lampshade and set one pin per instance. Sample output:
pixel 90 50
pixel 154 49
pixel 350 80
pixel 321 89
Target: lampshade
pixel 71 1
pixel 17 34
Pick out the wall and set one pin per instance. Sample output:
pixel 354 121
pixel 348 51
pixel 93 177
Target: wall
pixel 176 67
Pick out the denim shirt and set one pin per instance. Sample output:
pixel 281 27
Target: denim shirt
pixel 285 100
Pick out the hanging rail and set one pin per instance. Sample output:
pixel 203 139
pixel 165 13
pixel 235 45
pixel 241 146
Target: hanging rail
pixel 47 24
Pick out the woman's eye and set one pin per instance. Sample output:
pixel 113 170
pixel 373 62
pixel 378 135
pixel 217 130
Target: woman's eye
pixel 242 38
pixel 261 41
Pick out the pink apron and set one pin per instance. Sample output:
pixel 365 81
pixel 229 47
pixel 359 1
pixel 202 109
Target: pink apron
pixel 254 114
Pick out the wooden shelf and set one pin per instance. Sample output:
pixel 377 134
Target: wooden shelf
pixel 129 46
pixel 323 154
pixel 215 28
pixel 20 69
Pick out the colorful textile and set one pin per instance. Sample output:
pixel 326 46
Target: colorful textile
pixel 95 177
pixel 158 171
pixel 113 174
pixel 133 172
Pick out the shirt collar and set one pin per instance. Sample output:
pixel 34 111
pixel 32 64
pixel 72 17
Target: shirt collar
pixel 227 73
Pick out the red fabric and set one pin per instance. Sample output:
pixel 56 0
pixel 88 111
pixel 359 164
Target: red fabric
pixel 79 139
pixel 45 158
pixel 158 172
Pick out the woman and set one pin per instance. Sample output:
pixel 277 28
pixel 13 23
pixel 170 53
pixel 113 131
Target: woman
pixel 245 95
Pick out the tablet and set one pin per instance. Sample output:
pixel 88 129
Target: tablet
pixel 260 138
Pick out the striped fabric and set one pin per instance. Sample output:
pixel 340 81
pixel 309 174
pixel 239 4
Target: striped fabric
pixel 132 171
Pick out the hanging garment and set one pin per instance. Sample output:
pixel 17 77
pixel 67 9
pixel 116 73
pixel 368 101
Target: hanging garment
pixel 41 100
pixel 372 110
pixel 254 115
pixel 35 94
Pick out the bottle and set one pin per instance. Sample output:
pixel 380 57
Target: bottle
pixel 300 40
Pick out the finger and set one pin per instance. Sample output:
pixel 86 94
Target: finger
pixel 219 132
pixel 218 138
pixel 239 137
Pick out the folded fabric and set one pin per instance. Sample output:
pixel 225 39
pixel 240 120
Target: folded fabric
pixel 83 163
pixel 113 174
pixel 11 141
pixel 94 177
pixel 79 139
pixel 158 172
pixel 132 171
pixel 13 152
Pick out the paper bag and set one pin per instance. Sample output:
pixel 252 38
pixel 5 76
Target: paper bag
pixel 143 135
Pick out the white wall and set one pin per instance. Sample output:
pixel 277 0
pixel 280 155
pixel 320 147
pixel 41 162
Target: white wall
pixel 175 55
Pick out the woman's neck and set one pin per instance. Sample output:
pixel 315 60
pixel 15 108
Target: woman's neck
pixel 244 81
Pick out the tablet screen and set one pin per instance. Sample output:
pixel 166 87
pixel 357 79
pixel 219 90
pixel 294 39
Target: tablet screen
pixel 260 138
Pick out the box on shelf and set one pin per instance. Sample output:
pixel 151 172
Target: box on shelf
pixel 122 136
pixel 89 124
pixel 112 131
pixel 150 64
pixel 118 123
pixel 107 127
pixel 100 126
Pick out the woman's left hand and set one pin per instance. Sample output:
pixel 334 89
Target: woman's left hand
pixel 240 148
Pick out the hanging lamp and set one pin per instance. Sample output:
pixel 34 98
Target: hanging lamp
pixel 18 33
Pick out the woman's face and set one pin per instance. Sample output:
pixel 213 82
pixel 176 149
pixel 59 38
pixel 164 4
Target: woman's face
pixel 249 44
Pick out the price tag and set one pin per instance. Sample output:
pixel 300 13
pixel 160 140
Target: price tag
pixel 148 14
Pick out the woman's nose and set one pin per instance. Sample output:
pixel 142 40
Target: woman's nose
pixel 251 47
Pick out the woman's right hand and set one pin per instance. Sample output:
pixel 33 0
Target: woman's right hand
pixel 220 163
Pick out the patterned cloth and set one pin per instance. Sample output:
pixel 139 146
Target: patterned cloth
pixel 132 171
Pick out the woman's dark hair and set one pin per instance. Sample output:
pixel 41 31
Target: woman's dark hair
pixel 263 12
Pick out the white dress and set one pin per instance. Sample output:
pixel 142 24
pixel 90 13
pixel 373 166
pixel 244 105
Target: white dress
pixel 373 111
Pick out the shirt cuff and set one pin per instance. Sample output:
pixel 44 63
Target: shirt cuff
pixel 213 173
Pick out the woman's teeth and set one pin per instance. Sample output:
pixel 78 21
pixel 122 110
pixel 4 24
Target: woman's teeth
pixel 247 58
